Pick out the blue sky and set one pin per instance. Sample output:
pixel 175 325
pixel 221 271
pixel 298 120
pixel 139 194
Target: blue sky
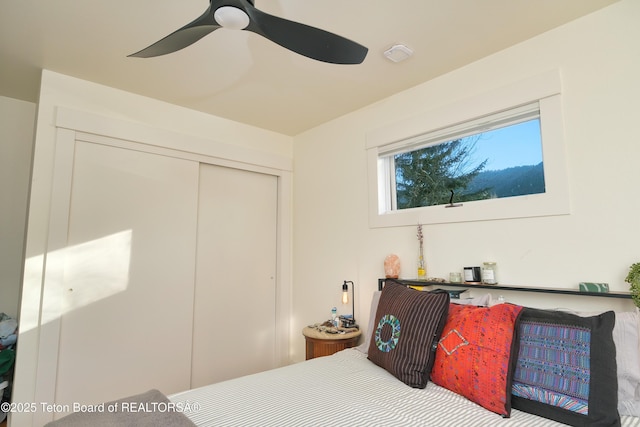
pixel 514 145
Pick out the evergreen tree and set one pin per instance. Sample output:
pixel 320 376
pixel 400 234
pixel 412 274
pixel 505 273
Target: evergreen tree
pixel 426 177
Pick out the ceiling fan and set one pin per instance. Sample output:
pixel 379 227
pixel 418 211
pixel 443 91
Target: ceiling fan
pixel 242 15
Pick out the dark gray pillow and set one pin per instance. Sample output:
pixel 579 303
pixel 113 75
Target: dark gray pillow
pixel 149 409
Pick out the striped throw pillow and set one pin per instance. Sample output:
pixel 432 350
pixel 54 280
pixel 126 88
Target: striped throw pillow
pixel 408 325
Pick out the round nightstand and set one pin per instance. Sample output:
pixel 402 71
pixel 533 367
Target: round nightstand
pixel 324 344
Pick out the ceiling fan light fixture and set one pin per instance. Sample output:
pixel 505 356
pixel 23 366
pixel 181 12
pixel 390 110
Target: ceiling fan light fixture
pixel 302 39
pixel 398 52
pixel 231 17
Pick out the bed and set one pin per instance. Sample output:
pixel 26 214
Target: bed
pixel 338 390
pixel 355 387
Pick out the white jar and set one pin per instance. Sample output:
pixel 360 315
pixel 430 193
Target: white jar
pixel 489 275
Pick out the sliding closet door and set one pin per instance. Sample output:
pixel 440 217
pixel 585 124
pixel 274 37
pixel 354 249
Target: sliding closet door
pixel 234 323
pixel 127 291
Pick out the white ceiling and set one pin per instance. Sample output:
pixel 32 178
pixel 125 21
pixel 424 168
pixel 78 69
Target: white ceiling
pixel 243 77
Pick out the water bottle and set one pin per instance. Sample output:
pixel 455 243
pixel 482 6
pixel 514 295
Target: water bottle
pixel 334 317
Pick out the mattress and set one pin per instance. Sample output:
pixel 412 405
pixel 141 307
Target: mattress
pixel 339 390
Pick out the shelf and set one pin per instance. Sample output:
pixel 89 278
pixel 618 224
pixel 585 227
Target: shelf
pixel 564 291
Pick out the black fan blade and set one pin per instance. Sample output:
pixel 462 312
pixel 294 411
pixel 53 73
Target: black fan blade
pixel 179 39
pixel 307 41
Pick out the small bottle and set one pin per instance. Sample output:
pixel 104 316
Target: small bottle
pixel 334 317
pixel 422 268
pixel 489 276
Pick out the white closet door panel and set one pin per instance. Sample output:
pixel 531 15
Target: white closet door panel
pixel 234 322
pixel 127 292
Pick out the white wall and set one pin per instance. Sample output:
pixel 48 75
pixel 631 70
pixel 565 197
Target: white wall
pixel 17 122
pixel 598 57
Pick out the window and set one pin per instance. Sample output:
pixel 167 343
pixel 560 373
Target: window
pixel 497 156
pixel 496 164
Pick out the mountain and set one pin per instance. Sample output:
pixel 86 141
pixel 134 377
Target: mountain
pixel 514 181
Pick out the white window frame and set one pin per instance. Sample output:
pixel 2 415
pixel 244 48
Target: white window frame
pixel 543 90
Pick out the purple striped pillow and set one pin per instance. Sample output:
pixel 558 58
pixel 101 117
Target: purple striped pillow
pixel 566 368
pixel 406 331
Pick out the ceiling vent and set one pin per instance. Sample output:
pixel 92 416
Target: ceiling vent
pixel 398 52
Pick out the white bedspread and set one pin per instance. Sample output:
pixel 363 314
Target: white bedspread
pixel 345 389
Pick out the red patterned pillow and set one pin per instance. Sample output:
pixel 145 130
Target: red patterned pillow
pixel 474 355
